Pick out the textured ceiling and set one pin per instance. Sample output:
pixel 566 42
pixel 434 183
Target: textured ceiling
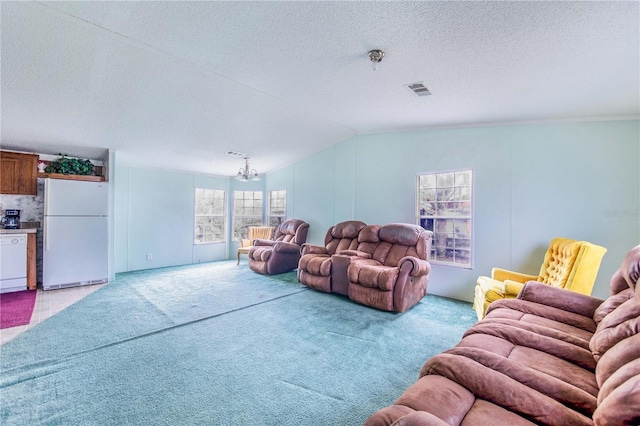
pixel 177 84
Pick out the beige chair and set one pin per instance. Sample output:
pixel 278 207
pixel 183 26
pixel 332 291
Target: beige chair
pixel 253 232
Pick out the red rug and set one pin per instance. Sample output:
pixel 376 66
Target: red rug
pixel 16 308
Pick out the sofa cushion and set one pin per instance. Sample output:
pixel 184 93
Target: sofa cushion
pixel 623 322
pixel 349 229
pixel 564 361
pixel 622 406
pixel 612 303
pixel 316 264
pixel 369 273
pixel 618 374
pixel 343 236
pixel 545 315
pixel 399 233
pixel 530 394
pixel 371 297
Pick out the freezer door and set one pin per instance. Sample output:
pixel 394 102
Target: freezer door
pixel 75 198
pixel 75 251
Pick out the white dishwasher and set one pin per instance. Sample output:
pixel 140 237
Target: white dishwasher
pixel 13 262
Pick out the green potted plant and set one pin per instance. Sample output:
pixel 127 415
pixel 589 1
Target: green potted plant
pixel 70 166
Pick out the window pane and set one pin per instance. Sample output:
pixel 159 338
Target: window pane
pixel 445 209
pixel 428 181
pixel 275 221
pixel 240 225
pixel 209 229
pixel 463 209
pixel 463 193
pixel 463 178
pixel 444 180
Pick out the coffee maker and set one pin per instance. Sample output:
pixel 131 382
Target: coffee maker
pixel 11 219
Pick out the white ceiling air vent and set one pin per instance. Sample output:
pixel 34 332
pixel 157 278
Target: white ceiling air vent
pixel 236 154
pixel 419 89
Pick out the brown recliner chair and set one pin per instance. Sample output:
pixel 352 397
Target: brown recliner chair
pixel 281 254
pixel 395 277
pixel 315 266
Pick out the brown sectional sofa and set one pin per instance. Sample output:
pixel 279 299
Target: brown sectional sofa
pixel 550 357
pixel 384 267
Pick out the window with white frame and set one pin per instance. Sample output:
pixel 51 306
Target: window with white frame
pixel 445 207
pixel 277 207
pixel 209 216
pixel 247 211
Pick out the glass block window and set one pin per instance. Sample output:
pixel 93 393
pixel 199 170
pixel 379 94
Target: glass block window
pixel 247 211
pixel 209 216
pixel 277 207
pixel 445 207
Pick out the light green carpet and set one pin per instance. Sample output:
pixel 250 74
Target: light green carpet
pixel 218 344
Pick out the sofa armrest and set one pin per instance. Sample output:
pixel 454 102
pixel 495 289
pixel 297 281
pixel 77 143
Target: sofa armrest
pixel 419 266
pixel 512 288
pixel 400 415
pixel 559 298
pixel 356 253
pixel 503 274
pixel 283 247
pixel 312 249
pixel 261 242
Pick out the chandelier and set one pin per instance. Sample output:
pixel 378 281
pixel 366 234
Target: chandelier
pixel 246 174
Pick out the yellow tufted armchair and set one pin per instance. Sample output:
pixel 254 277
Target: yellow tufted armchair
pixel 253 232
pixel 568 264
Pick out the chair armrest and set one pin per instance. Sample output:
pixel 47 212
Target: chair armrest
pixel 419 266
pixel 261 242
pixel 282 247
pixel 312 249
pixel 503 274
pixel 244 242
pixel 559 298
pixel 356 253
pixel 512 288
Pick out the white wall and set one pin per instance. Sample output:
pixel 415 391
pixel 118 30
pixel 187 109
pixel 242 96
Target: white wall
pixel 154 214
pixel 531 183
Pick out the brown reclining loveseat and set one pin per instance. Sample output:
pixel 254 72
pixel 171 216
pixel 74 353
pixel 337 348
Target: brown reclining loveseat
pixel 385 267
pixel 549 357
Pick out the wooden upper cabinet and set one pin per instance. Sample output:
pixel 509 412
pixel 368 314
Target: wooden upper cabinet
pixel 18 173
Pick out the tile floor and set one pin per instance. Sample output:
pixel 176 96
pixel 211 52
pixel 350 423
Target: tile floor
pixel 49 303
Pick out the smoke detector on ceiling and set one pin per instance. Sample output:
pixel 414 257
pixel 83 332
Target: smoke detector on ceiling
pixel 236 154
pixel 419 89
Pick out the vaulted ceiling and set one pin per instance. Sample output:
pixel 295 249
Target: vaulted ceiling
pixel 177 84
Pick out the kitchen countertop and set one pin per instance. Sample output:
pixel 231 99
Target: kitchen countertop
pixel 19 231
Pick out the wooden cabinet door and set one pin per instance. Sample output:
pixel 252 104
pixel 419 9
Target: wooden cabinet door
pixel 18 173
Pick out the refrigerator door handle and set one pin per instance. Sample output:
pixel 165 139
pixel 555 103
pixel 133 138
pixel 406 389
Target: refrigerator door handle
pixel 46 233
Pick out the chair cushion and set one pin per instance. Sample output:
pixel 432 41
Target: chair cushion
pixel 261 253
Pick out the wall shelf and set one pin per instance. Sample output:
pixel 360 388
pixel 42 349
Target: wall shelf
pixel 71 177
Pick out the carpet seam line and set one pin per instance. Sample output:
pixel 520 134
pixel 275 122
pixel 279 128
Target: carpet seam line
pixel 151 333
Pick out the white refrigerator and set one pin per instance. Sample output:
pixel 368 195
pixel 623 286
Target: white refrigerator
pixel 75 233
